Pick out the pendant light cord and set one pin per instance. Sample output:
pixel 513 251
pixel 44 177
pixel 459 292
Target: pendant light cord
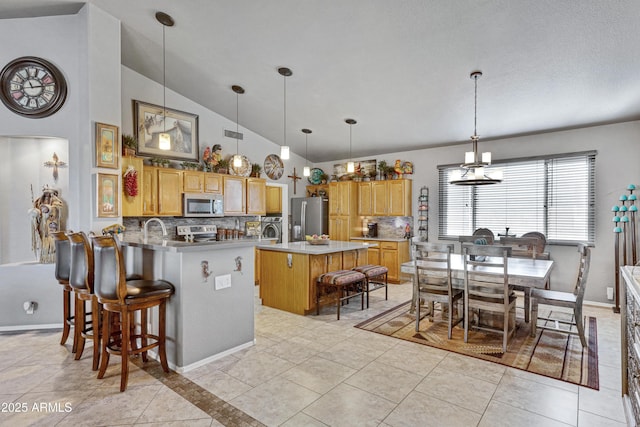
pixel 164 82
pixel 237 125
pixel 284 128
pixel 475 107
pixel 350 128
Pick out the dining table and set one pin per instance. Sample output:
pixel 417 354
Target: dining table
pixel 524 274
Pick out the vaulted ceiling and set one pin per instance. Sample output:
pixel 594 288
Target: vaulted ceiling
pixel 400 68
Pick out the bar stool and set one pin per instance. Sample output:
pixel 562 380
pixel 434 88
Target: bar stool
pixel 81 281
pixel 376 278
pixel 62 268
pixel 119 296
pixel 346 283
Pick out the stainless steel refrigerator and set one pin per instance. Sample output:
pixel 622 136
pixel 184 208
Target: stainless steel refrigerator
pixel 309 216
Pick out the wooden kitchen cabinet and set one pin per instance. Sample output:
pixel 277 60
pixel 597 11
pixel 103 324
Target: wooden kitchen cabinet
pixel 274 200
pixel 192 181
pixel 244 196
pixel 256 196
pixel 391 198
pixel 343 215
pixel 132 206
pixel 162 191
pixel 391 254
pixel 235 195
pixel 364 199
pixel 288 271
pixel 212 183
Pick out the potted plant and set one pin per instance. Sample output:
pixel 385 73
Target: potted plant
pixel 164 163
pixel 382 167
pixel 129 145
pixel 222 166
pixel 324 178
pixel 256 169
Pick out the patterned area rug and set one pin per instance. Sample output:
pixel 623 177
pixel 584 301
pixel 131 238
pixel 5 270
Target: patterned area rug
pixel 552 354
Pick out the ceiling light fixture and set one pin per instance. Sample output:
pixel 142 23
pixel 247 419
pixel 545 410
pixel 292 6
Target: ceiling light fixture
pixel 351 166
pixel 284 149
pixel 237 159
pixel 473 168
pixel 306 171
pixel 164 139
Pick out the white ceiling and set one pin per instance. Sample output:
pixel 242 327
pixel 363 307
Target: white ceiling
pixel 401 68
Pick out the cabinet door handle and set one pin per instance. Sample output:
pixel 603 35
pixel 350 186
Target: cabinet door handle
pixel 289 260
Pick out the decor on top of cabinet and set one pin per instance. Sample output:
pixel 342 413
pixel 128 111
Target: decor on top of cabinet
pixel 46 216
pixel 130 181
pixel 211 158
pixel 256 170
pixel 243 170
pixel 129 145
pixel 363 170
pixel 401 168
pixel 190 166
pixel 181 126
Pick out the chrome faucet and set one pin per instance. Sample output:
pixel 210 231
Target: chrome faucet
pixel 158 220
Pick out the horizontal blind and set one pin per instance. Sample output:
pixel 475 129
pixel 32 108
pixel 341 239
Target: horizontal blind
pixel 554 195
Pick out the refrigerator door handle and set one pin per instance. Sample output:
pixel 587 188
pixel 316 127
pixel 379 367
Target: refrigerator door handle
pixel 303 219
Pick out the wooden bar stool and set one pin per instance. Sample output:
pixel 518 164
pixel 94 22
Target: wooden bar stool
pixel 62 268
pixel 122 297
pixel 346 284
pixel 87 325
pixel 376 278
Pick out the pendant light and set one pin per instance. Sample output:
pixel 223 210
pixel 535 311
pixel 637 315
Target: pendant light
pixel 306 171
pixel 473 168
pixel 284 149
pixel 237 159
pixel 164 139
pixel 351 167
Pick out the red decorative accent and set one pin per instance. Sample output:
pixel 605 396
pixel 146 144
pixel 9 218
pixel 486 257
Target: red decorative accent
pixel 131 183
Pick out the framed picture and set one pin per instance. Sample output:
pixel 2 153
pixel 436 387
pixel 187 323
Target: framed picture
pixel 108 195
pixel 182 128
pixel 107 146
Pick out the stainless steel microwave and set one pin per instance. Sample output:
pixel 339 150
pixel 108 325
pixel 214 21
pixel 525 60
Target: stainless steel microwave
pixel 202 205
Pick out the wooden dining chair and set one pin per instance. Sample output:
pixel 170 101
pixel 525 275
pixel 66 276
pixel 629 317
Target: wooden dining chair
pixel 486 233
pixel 542 240
pixel 488 290
pixel 433 282
pixel 522 247
pixel 572 300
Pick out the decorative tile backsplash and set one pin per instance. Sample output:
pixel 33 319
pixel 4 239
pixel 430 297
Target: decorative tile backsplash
pixel 389 227
pixel 134 224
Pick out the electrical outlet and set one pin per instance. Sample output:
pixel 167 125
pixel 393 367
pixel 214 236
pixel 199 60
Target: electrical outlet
pixel 222 282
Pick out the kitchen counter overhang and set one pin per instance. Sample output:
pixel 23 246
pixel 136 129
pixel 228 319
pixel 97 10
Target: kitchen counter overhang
pixel 168 245
pixel 310 249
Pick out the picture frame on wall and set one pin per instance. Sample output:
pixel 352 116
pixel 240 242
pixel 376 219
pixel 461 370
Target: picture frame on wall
pixel 107 195
pixel 151 120
pixel 107 146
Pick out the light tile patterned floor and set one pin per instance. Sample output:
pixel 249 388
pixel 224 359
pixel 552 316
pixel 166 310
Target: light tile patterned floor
pixel 306 371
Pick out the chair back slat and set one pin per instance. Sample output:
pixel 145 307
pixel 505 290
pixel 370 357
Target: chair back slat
pixel 583 272
pixel 486 270
pixel 81 265
pixel 110 279
pixel 63 256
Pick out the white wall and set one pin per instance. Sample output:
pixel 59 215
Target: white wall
pixel 617 165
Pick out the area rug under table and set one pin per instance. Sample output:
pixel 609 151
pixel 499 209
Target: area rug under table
pixel 553 354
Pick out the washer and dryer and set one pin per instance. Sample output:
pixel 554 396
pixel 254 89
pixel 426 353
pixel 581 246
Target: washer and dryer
pixel 272 228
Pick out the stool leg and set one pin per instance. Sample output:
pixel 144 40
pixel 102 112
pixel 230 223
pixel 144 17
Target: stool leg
pixel 106 332
pixel 339 291
pixel 386 287
pixel 162 333
pixel 366 289
pixel 125 319
pixel 66 308
pixel 362 284
pixel 95 323
pixel 76 303
pixel 80 325
pixel 143 332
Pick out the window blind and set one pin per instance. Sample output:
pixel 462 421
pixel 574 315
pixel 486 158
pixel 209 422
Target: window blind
pixel 554 195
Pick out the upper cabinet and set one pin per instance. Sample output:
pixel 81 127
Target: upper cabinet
pixel 391 198
pixel 162 191
pixel 244 196
pixel 198 182
pixel 274 200
pixel 364 199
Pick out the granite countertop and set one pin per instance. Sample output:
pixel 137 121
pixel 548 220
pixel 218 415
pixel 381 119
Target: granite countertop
pixel 168 245
pixel 380 239
pixel 307 248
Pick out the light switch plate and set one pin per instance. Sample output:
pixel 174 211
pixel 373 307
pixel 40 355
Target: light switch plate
pixel 223 281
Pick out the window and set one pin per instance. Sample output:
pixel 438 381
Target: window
pixel 553 194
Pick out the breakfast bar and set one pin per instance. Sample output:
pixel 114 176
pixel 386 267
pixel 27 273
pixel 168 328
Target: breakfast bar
pixel 211 313
pixel 288 271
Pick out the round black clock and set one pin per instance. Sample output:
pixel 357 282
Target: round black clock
pixel 32 87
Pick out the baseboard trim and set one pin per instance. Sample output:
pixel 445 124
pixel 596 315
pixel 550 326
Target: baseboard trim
pixel 29 327
pixel 183 369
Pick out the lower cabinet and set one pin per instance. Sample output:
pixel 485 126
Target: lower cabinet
pixel 392 254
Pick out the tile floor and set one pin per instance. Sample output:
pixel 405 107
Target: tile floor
pixel 306 371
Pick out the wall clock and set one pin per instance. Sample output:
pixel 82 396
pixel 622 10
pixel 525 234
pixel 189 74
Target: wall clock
pixel 273 166
pixel 32 87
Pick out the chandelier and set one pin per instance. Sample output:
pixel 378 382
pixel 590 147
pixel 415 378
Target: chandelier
pixel 473 169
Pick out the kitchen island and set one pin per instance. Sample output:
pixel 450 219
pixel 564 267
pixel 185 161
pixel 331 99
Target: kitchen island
pixel 288 271
pixel 211 313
